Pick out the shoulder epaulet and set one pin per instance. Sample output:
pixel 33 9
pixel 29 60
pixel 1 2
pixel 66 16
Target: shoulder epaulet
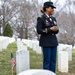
pixel 39 17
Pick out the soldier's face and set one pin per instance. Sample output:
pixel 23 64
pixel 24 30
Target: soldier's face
pixel 50 10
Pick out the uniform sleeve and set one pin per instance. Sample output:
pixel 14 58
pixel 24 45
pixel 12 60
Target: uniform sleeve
pixel 55 24
pixel 55 32
pixel 40 30
pixel 49 30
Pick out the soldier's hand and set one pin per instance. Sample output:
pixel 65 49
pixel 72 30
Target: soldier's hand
pixel 54 28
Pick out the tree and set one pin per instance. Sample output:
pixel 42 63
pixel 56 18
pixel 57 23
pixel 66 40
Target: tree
pixel 66 23
pixel 26 18
pixel 8 10
pixel 8 31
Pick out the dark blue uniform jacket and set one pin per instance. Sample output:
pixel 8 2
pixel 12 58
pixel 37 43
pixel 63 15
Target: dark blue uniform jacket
pixel 48 39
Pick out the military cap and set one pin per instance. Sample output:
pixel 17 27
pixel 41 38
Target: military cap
pixel 48 4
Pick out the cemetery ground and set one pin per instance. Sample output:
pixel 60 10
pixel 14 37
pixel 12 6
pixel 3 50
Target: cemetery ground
pixel 35 61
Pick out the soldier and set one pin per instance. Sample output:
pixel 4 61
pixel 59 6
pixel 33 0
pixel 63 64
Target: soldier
pixel 47 28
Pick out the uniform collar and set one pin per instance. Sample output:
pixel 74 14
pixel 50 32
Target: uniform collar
pixel 47 15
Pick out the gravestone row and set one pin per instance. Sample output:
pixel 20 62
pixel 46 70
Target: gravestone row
pixel 34 44
pixel 4 42
pixel 63 50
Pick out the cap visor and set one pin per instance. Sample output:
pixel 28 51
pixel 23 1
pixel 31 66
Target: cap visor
pixel 53 6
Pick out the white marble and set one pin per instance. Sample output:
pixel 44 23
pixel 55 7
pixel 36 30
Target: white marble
pixel 36 47
pixel 33 44
pixel 20 45
pixel 0 46
pixel 60 47
pixel 37 72
pixel 63 47
pixel 69 50
pixel 22 61
pixel 4 42
pixel 63 61
pixel 25 41
pixel 11 40
pixel 39 50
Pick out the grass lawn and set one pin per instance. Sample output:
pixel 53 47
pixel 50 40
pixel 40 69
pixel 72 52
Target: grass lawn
pixel 35 61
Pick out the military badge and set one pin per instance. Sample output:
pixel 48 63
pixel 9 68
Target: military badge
pixel 50 19
pixel 55 23
pixel 47 22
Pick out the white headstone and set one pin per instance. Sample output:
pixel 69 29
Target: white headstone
pixel 20 45
pixel 0 46
pixel 39 51
pixel 25 41
pixel 22 60
pixel 30 43
pixel 5 42
pixel 60 47
pixel 37 72
pixel 74 47
pixel 63 61
pixel 69 50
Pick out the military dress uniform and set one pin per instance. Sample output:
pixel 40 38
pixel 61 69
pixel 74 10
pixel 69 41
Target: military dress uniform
pixel 48 41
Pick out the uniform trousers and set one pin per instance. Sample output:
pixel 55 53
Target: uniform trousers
pixel 49 58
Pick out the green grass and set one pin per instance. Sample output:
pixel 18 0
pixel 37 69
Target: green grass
pixel 35 61
pixel 5 60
